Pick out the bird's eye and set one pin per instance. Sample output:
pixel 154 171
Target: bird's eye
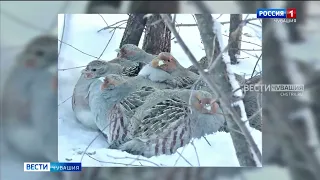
pixel 39 53
pixel 93 69
pixel 200 101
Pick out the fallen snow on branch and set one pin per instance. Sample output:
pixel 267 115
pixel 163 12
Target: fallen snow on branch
pixel 232 79
pixel 226 58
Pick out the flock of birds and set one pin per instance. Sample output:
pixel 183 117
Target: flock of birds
pixel 143 104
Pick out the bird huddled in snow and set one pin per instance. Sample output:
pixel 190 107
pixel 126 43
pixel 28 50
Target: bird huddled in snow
pixel 165 121
pixel 94 70
pixel 133 53
pixel 165 68
pixel 113 109
pixel 153 112
pixel 134 112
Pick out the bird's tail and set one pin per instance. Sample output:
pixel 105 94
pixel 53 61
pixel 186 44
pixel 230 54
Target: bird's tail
pixel 134 147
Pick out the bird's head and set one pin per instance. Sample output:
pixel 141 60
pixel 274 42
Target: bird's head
pixel 128 51
pixel 39 53
pixel 95 69
pixel 111 81
pixel 165 61
pixel 204 103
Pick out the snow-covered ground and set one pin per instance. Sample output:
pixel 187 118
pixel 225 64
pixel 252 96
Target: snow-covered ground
pixel 80 31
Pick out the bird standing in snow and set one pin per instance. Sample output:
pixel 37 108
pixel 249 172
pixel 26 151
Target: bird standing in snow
pixel 166 121
pixel 94 70
pixel 113 108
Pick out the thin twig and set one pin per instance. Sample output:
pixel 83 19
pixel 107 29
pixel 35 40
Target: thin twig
pixel 85 151
pixel 106 162
pixel 224 22
pixel 118 27
pixel 113 27
pixel 103 19
pixel 62 36
pixel 114 30
pixel 78 49
pixel 255 56
pixel 255 24
pixel 219 16
pixel 70 68
pixel 65 100
pixel 254 69
pixel 143 160
pixel 195 149
pixel 207 140
pixel 185 159
pixel 250 49
pixel 108 27
pixel 244 41
pixel 107 44
pixel 254 114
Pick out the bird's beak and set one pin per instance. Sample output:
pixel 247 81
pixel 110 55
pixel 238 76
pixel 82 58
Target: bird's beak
pixel 215 107
pixel 83 71
pixel 197 96
pixel 207 107
pixel 101 79
pixel 157 63
pixel 161 62
pixel 117 50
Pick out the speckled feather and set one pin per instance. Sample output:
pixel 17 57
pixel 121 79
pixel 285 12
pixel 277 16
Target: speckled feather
pixel 80 102
pixel 133 53
pixel 114 106
pixel 165 122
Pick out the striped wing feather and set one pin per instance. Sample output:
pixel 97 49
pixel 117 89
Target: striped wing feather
pixel 184 82
pixel 162 118
pixel 164 129
pixel 118 123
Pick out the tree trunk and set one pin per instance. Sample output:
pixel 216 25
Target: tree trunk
pixel 251 100
pixel 235 20
pixel 157 36
pixel 241 146
pixel 133 32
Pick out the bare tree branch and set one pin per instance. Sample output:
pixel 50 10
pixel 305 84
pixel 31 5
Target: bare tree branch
pixel 111 26
pixel 78 49
pixel 213 87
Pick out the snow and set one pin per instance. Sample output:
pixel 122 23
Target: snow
pixel 74 139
